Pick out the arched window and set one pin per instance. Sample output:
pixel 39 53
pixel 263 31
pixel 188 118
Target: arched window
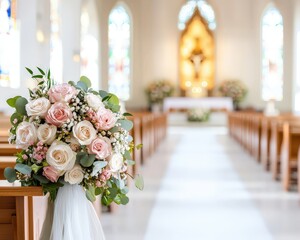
pixel 272 54
pixel 205 10
pixel 9 45
pixel 56 54
pixel 119 62
pixel 89 43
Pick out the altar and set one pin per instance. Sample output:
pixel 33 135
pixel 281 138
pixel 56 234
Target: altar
pixel 219 103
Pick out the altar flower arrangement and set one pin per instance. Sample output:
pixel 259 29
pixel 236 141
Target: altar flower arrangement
pixel 69 133
pixel 198 115
pixel 234 89
pixel 157 91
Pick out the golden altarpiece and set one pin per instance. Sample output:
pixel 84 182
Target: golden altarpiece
pixel 196 60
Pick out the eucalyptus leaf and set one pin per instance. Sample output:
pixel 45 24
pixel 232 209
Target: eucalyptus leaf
pixel 17 116
pixel 12 101
pixel 86 80
pixel 10 174
pixel 22 168
pixel 139 182
pixel 117 199
pixel 88 160
pixel 90 194
pixel 20 105
pixel 82 86
pixel 98 165
pixel 127 155
pixel 126 124
pixel 124 190
pixel 124 199
pixel 130 162
pixel 98 191
pixel 103 93
pixel 113 99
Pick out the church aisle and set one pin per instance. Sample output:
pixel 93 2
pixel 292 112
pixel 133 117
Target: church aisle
pixel 201 185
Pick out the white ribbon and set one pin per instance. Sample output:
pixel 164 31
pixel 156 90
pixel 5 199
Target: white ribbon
pixel 74 217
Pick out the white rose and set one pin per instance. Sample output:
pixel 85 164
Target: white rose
pixel 116 162
pixel 26 135
pixel 46 133
pixel 38 107
pixel 75 175
pixel 61 156
pixel 84 132
pixel 94 101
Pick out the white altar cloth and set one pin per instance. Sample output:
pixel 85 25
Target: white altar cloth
pixel 207 103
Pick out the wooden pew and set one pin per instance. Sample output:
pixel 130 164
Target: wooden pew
pixel 289 152
pixel 8 149
pixel 20 216
pixel 276 139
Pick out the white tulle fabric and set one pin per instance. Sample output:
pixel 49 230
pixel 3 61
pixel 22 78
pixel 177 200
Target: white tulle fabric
pixel 74 216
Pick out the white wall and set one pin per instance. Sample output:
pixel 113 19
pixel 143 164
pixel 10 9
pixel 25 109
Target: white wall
pixel 155 43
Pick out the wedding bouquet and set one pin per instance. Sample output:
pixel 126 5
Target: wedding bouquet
pixel 234 89
pixel 198 115
pixel 71 134
pixel 158 91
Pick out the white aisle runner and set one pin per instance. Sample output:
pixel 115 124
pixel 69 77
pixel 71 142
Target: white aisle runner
pixel 202 197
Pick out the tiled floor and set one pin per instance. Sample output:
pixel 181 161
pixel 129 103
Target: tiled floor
pixel 201 185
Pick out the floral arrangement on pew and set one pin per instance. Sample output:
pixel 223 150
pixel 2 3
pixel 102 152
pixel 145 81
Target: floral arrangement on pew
pixel 70 133
pixel 157 91
pixel 198 115
pixel 234 89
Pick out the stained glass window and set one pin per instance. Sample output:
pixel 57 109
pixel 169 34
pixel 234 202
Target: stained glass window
pixel 119 28
pixel 272 55
pixel 205 10
pixel 9 45
pixel 89 46
pixel 56 55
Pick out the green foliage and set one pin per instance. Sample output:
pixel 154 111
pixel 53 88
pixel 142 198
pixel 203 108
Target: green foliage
pixel 20 105
pixel 98 165
pixel 139 182
pixel 90 193
pixel 127 155
pixel 41 179
pixel 86 81
pixel 85 159
pixel 10 174
pixel 103 93
pixel 22 168
pixel 130 162
pixel 12 101
pixel 139 146
pixel 52 188
pixel 35 168
pixel 82 86
pixel 29 70
pixel 126 124
pixel 126 114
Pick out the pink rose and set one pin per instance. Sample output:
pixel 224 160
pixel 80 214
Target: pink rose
pixel 58 114
pixel 100 146
pixel 51 173
pixel 106 119
pixel 105 175
pixel 62 93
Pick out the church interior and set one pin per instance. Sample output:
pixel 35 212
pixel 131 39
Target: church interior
pixel 213 92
